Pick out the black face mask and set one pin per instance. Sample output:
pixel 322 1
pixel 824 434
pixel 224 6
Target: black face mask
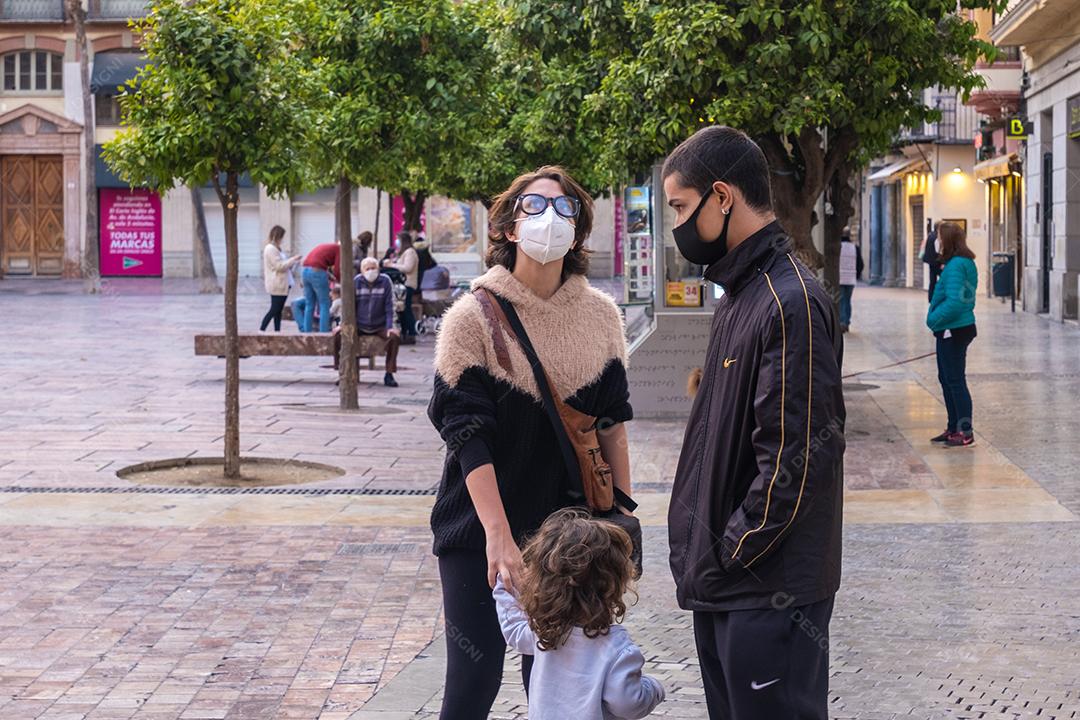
pixel 690 244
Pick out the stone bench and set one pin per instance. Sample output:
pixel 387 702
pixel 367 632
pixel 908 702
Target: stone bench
pixel 289 344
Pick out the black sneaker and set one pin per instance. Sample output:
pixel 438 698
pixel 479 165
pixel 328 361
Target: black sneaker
pixel 942 438
pixel 389 381
pixel 959 439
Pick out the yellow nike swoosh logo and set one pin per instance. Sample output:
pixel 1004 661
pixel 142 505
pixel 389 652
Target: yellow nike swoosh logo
pixel 728 362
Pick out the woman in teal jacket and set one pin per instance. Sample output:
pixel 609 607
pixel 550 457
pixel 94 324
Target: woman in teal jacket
pixel 952 320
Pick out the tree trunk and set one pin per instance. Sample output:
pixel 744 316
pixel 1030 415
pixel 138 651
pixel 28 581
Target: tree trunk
pixel 347 360
pixel 375 231
pixel 204 259
pixel 414 210
pixel 90 266
pixel 793 212
pixel 229 198
pixel 796 166
pixel 841 196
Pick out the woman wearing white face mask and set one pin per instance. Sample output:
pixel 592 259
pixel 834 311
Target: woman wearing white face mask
pixel 505 471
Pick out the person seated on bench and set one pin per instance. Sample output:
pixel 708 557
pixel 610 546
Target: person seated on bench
pixel 375 314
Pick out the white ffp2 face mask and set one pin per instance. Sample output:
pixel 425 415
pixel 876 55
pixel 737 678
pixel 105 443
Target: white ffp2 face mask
pixel 371 275
pixel 545 237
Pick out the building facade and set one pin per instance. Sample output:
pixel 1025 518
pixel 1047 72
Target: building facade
pixel 42 217
pixel 929 178
pixel 967 168
pixel 1048 32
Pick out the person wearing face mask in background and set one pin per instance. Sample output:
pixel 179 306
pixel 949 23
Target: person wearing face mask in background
pixel 505 471
pixel 375 314
pixel 754 521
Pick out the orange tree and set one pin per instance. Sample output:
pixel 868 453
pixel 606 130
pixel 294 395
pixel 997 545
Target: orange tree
pixel 406 88
pixel 225 93
pixel 820 85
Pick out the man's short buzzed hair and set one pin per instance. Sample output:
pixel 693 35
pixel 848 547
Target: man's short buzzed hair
pixel 722 153
pixel 369 261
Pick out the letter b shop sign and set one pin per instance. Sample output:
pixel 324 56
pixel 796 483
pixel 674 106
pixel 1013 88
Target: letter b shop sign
pixel 1018 129
pixel 130 232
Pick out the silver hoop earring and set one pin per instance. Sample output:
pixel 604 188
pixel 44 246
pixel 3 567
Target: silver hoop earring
pixel 725 210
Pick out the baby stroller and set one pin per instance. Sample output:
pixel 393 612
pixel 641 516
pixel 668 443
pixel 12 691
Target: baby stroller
pixel 436 296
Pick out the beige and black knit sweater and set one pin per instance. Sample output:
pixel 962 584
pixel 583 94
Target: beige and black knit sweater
pixel 487 415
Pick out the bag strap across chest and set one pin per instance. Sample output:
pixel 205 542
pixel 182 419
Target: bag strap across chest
pixel 566 421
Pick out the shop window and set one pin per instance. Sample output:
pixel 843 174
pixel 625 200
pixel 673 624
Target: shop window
pixel 449 226
pixel 33 71
pixel 106 110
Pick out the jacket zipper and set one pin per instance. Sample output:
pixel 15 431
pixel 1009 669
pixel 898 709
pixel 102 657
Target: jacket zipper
pixel 711 367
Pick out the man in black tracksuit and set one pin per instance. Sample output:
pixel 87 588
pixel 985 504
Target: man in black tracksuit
pixel 755 514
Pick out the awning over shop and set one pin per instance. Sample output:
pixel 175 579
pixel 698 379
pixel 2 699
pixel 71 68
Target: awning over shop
pixel 890 172
pixel 104 177
pixel 995 167
pixel 112 69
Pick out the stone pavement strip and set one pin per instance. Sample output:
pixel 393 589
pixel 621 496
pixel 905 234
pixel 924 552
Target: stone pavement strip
pixel 961 596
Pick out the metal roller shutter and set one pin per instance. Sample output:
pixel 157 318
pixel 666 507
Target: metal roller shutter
pixel 249 238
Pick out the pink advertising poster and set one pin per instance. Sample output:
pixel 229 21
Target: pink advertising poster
pixel 130 232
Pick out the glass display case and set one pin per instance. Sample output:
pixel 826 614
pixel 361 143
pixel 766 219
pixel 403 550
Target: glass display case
pixel 638 262
pixel 667 305
pixel 637 250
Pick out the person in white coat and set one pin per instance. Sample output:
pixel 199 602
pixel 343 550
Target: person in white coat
pixel 277 277
pixel 406 261
pixel 850 270
pixel 585 666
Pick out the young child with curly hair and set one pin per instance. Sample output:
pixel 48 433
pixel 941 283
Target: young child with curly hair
pixel 585 665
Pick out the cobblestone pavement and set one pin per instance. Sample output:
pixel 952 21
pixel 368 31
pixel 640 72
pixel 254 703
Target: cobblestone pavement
pixel 961 596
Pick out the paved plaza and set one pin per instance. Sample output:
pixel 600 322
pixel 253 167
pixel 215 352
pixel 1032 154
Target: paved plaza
pixel 961 594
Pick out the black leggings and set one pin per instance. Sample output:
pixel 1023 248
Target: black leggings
pixel 407 318
pixel 277 305
pixel 475 647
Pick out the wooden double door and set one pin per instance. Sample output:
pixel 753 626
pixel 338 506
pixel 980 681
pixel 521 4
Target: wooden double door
pixel 32 214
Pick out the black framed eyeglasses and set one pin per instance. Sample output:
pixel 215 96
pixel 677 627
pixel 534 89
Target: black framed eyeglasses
pixel 535 204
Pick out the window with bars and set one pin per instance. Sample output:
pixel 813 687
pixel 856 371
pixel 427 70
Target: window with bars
pixel 33 71
pixel 106 110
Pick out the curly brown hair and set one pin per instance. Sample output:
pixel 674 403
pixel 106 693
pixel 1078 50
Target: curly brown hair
pixel 577 569
pixel 504 210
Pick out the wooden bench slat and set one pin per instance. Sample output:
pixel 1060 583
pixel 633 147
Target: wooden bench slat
pixel 286 344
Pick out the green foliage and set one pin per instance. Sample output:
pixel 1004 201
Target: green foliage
pixel 407 89
pixel 547 61
pixel 459 97
pixel 775 68
pixel 225 91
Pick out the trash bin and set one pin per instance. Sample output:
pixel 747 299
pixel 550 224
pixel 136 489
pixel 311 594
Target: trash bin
pixel 1003 274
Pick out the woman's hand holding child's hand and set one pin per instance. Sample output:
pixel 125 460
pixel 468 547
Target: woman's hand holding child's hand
pixel 504 558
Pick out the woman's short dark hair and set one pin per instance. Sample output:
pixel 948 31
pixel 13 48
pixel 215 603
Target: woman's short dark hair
pixel 722 153
pixel 953 242
pixel 504 210
pixel 364 239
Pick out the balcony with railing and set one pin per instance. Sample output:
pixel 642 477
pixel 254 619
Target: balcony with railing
pixel 53 10
pixel 118 9
pixel 957 125
pixel 31 10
